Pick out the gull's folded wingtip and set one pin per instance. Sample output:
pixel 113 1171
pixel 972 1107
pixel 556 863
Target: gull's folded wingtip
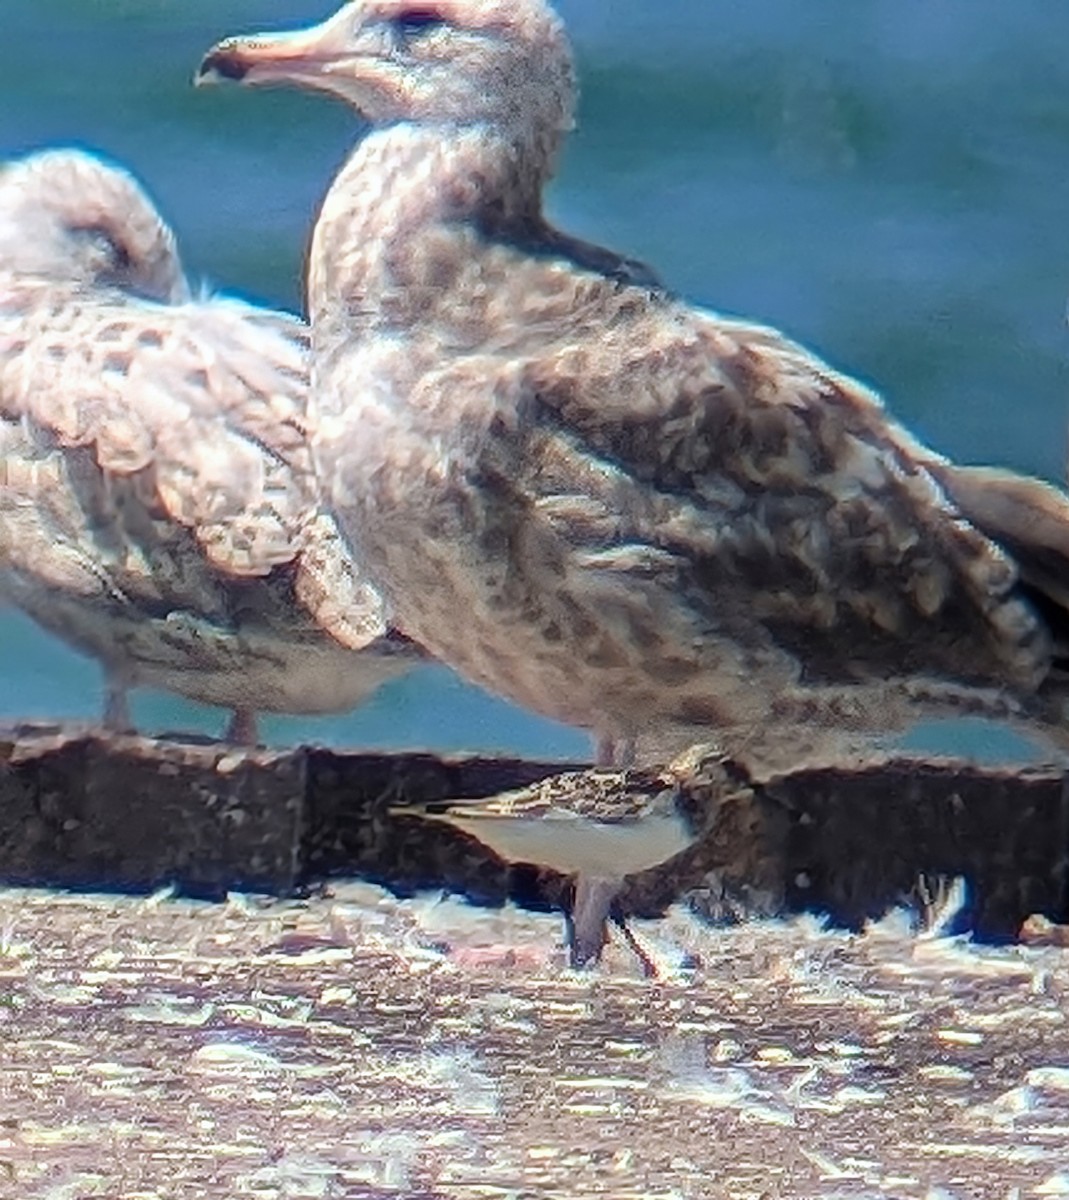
pixel 221 64
pixel 425 810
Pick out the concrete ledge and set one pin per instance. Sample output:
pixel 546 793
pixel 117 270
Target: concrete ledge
pixel 84 809
pixel 353 1044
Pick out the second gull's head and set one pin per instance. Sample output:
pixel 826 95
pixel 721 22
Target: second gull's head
pixel 69 216
pixel 500 63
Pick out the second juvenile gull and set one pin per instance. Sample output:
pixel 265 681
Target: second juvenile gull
pixel 158 509
pixel 647 515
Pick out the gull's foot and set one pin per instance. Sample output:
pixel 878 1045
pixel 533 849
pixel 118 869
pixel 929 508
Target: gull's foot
pixel 588 925
pixel 587 922
pixel 242 728
pixel 614 753
pixel 649 967
pixel 116 716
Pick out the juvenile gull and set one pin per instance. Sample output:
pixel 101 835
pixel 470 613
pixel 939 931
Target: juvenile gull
pixel 649 515
pixel 157 503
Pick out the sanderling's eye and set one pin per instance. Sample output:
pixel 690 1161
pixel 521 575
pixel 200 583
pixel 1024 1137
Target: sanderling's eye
pixel 413 22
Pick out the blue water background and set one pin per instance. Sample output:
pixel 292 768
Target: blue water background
pixel 886 180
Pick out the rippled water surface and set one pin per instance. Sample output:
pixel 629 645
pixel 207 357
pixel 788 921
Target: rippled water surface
pixel 886 180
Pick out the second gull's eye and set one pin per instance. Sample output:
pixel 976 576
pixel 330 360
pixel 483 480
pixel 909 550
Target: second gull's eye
pixel 111 251
pixel 414 21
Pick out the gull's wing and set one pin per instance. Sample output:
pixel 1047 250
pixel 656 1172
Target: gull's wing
pixel 1030 519
pixel 206 404
pixel 40 536
pixel 741 487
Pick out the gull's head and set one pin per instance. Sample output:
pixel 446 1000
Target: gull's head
pixel 502 63
pixel 69 216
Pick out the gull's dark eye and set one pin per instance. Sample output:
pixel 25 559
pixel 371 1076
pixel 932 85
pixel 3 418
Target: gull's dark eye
pixel 104 243
pixel 413 22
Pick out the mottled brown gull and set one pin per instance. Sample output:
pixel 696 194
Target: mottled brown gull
pixel 157 504
pixel 648 515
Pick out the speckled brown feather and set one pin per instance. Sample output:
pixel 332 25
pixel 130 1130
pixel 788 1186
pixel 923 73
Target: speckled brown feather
pixel 1030 519
pixel 208 401
pixel 582 493
pixel 158 507
pixel 711 521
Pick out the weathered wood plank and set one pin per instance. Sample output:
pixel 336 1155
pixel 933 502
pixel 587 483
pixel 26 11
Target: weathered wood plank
pixel 358 1046
pixel 82 808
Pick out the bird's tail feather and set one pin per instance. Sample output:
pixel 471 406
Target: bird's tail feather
pixel 1030 520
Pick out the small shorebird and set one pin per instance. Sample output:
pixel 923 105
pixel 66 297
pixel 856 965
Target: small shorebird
pixel 598 828
pixel 158 509
pixel 608 505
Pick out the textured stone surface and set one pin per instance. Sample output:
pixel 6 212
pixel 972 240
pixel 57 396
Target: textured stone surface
pixel 859 839
pixel 350 832
pixel 82 809
pixel 355 1046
